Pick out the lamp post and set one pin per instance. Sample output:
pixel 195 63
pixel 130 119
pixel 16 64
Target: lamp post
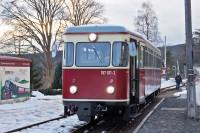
pixel 165 64
pixel 191 92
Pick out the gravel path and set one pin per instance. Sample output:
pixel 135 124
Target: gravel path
pixel 170 117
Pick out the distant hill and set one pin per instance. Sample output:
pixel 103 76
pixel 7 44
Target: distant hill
pixel 178 53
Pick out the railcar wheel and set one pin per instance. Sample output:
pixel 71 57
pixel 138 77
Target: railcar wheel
pixel 92 118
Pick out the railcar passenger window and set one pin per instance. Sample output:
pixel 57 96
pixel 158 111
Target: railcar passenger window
pixel 68 55
pixel 141 57
pixel 146 58
pixel 120 54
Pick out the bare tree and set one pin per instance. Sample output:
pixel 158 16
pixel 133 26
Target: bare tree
pixel 6 43
pixel 11 42
pixel 147 23
pixel 196 46
pixel 84 12
pixel 38 21
pixel 196 37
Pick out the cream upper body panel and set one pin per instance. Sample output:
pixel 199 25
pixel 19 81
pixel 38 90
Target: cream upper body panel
pixel 100 38
pixel 107 33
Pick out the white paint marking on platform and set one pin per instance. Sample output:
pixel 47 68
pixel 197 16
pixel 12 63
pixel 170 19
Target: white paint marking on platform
pixel 149 114
pixel 173 109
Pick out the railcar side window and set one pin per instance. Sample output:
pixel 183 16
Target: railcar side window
pixel 141 57
pixel 120 54
pixel 93 54
pixel 146 58
pixel 68 55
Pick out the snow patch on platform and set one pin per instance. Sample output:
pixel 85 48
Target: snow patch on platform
pixel 198 85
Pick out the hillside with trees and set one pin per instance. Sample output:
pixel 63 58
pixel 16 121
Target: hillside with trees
pixel 177 52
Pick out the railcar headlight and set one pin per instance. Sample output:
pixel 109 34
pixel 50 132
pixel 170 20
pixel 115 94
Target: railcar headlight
pixel 73 89
pixel 110 89
pixel 93 37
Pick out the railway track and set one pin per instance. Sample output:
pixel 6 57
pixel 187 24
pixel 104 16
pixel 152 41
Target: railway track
pixel 133 125
pixel 35 124
pixel 114 125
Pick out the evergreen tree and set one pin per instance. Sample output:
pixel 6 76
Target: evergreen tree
pixel 57 82
pixel 170 63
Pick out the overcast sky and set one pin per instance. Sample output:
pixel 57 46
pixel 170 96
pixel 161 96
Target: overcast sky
pixel 170 14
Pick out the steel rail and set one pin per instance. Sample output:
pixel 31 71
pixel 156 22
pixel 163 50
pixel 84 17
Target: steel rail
pixel 35 124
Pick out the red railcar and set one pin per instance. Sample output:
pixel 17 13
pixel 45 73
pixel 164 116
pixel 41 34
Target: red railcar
pixel 107 69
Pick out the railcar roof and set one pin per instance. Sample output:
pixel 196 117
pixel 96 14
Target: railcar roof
pixel 95 28
pixel 104 28
pixel 99 28
pixel 15 59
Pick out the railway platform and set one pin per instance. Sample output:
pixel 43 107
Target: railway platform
pixel 171 117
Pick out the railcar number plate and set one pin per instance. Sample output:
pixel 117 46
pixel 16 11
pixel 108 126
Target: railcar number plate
pixel 108 73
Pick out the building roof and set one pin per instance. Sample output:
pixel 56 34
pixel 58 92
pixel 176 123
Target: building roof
pixel 15 59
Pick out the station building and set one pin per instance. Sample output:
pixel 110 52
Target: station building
pixel 14 79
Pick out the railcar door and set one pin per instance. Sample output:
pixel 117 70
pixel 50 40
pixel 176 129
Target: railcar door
pixel 133 78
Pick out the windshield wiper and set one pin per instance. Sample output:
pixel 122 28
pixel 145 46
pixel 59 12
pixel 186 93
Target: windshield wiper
pixel 95 51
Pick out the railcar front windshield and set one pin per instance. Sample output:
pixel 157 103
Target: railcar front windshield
pixel 93 54
pixel 120 54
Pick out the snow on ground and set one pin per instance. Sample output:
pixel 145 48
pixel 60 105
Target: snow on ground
pixel 198 85
pixel 35 110
pixel 170 82
pixel 183 92
pixel 37 94
pixel 166 83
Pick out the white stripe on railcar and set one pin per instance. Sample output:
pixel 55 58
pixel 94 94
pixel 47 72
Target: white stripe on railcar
pixel 97 100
